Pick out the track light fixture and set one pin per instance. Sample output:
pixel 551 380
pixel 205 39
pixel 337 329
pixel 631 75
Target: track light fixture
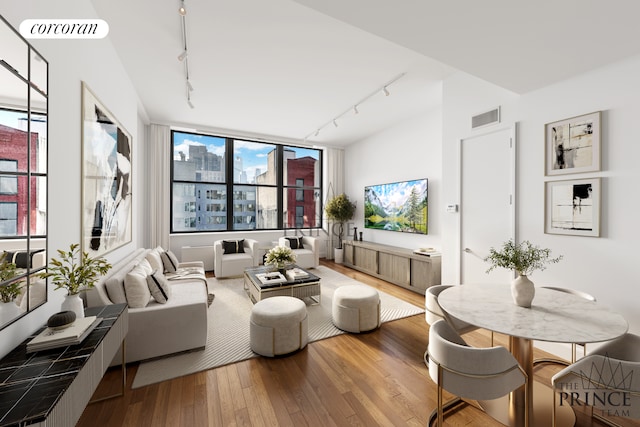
pixel 189 86
pixel 183 55
pixel 182 10
pixel 384 88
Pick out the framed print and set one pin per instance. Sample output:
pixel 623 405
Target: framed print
pixel 573 145
pixel 106 178
pixel 573 207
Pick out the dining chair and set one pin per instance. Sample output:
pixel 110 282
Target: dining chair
pixel 580 294
pixel 470 372
pixel 607 379
pixel 434 312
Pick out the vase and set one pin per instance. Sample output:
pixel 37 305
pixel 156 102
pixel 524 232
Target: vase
pixel 523 291
pixel 74 303
pixel 8 312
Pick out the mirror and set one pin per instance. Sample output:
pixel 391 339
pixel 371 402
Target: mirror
pixel 23 175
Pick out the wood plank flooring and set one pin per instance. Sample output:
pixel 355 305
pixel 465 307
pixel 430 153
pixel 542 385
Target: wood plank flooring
pixel 371 379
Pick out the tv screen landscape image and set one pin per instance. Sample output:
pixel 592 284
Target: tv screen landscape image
pixel 399 206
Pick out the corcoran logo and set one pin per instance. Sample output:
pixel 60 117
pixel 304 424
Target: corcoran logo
pixel 64 29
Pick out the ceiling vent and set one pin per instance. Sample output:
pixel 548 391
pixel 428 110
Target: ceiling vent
pixel 485 119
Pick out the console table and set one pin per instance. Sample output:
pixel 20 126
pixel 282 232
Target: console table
pixel 52 387
pixel 399 266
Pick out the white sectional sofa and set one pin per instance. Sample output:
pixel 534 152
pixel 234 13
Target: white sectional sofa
pixel 157 329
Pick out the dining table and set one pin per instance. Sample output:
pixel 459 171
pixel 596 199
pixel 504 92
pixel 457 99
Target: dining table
pixel 554 316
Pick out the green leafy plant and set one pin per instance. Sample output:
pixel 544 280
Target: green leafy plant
pixel 340 209
pixel 524 257
pixel 75 270
pixel 8 270
pixel 279 256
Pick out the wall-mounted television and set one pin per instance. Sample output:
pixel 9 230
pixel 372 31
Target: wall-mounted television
pixel 399 206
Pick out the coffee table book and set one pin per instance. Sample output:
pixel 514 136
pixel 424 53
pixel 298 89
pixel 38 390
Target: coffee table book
pixel 57 337
pixel 271 278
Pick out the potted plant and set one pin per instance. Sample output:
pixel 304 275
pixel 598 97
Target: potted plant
pixel 75 271
pixel 279 257
pixel 340 209
pixel 10 291
pixel 523 258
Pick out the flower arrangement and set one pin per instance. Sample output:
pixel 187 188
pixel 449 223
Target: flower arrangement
pixel 8 270
pixel 524 257
pixel 279 256
pixel 75 271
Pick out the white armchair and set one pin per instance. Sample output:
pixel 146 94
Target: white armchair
pixel 307 256
pixel 232 257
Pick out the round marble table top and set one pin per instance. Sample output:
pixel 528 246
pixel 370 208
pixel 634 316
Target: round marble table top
pixel 554 316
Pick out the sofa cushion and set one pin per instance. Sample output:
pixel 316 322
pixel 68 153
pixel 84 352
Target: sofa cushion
pixel 169 261
pixel 115 290
pixel 233 246
pixel 146 266
pixel 295 242
pixel 155 260
pixel 159 287
pixel 136 288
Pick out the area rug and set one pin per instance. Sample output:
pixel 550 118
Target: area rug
pixel 228 329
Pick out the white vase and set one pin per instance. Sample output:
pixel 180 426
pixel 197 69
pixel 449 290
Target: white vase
pixel 523 291
pixel 74 303
pixel 338 255
pixel 8 312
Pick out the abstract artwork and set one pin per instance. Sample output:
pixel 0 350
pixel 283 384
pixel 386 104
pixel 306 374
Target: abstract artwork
pixel 573 207
pixel 106 178
pixel 573 145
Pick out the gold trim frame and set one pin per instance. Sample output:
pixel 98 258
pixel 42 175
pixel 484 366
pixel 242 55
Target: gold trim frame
pixel 573 207
pixel 106 178
pixel 573 145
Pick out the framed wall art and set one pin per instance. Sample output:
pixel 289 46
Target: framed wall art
pixel 106 178
pixel 573 207
pixel 573 145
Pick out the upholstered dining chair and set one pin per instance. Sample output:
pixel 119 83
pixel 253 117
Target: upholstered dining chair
pixel 433 311
pixel 470 372
pixel 608 379
pixel 580 294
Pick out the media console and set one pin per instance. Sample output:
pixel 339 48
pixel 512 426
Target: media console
pixel 399 266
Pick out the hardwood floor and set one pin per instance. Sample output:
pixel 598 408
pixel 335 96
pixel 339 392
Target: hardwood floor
pixel 371 379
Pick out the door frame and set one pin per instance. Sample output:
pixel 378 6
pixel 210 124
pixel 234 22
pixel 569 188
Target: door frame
pixel 512 128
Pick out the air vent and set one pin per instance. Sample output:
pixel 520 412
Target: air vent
pixel 485 119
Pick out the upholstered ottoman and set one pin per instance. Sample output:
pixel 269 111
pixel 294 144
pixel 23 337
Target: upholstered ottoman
pixel 278 326
pixel 356 308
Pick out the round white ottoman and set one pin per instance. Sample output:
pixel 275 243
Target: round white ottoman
pixel 278 326
pixel 356 308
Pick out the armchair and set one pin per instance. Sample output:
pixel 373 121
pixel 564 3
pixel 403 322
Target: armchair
pixel 232 257
pixel 305 248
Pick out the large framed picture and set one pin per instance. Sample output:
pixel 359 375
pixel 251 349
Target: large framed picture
pixel 573 145
pixel 573 207
pixel 106 178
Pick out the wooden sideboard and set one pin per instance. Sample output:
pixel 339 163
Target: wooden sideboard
pixel 399 266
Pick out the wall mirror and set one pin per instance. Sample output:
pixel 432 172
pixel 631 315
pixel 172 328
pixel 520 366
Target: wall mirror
pixel 23 175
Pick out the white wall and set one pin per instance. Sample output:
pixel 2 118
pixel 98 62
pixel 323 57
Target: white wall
pixel 70 62
pixel 409 150
pixel 604 266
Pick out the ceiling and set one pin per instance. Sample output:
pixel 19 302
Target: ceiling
pixel 284 69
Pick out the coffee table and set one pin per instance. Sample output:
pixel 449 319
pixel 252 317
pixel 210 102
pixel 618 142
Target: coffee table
pixel 304 287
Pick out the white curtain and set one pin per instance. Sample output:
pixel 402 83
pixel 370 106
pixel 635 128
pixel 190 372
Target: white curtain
pixel 334 186
pixel 159 164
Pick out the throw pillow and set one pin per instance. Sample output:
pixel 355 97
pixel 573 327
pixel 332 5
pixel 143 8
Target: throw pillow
pixel 136 288
pixel 173 258
pixel 159 287
pixel 233 246
pixel 167 263
pixel 115 290
pixel 154 259
pixel 295 242
pixel 146 266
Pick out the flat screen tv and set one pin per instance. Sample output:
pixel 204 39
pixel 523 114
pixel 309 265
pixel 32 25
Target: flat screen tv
pixel 399 206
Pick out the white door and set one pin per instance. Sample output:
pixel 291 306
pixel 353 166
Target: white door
pixel 487 202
